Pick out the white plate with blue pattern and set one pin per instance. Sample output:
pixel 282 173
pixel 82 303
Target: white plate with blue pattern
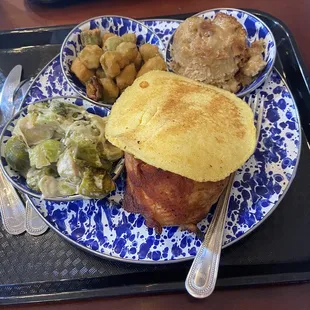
pixel 105 229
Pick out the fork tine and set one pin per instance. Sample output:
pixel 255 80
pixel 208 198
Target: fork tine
pixel 257 110
pixel 253 104
pixel 259 118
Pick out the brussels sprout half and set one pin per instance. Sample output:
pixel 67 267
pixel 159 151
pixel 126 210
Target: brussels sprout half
pixel 16 154
pixel 96 183
pixel 45 153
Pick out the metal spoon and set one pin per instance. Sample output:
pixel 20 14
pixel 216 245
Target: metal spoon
pixel 201 279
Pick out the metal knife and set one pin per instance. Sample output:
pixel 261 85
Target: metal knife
pixel 12 208
pixel 6 97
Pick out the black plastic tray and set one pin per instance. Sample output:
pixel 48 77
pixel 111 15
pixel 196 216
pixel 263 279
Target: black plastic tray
pixel 45 268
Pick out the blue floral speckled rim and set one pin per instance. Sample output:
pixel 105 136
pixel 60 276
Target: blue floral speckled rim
pixel 278 153
pixel 67 54
pixel 266 34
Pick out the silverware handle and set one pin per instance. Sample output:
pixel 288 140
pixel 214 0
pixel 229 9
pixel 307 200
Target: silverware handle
pixel 12 208
pixel 35 226
pixel 201 279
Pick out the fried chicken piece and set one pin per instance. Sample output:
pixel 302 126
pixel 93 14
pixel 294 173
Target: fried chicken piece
pixel 165 198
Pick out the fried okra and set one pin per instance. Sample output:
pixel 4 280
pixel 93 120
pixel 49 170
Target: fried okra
pixel 138 62
pixel 110 90
pixel 129 37
pixel 155 63
pixel 148 51
pixel 81 71
pixel 111 43
pixel 100 73
pixel 128 50
pixel 106 36
pixel 91 37
pixel 111 63
pixel 126 77
pixel 94 89
pixel 90 56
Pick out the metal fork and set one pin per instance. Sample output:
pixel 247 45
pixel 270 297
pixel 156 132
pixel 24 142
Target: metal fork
pixel 16 219
pixel 201 279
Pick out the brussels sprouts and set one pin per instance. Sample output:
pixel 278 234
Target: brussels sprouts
pixel 33 133
pixel 16 154
pixel 48 186
pixel 35 175
pixel 99 124
pixel 45 153
pixel 81 130
pixel 64 109
pixel 52 187
pixel 106 165
pixel 66 188
pixel 86 150
pixel 68 168
pixel 96 183
pixel 38 106
pixel 59 107
pixel 110 152
pixel 61 149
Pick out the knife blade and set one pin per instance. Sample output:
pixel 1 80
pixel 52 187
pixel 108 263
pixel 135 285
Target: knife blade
pixel 6 97
pixel 19 95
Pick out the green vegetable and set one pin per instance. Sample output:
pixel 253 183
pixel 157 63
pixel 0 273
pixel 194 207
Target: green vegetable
pixel 66 188
pixel 111 152
pixel 31 132
pixel 46 120
pixel 16 154
pixel 96 183
pixel 39 106
pixel 60 108
pixel 62 150
pixel 68 168
pixel 86 150
pixel 35 175
pixel 56 187
pixel 80 130
pixel 106 165
pixel 48 186
pixel 45 153
pixel 64 108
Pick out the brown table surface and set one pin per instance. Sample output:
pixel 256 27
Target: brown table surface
pixel 295 14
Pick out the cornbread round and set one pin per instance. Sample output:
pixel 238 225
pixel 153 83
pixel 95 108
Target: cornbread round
pixel 176 124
